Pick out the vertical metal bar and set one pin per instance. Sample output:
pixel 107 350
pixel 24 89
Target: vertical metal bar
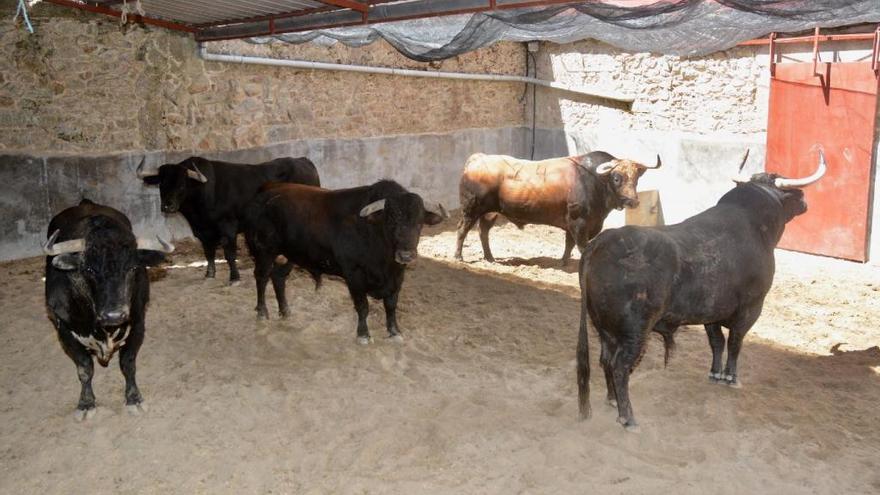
pixel 875 53
pixel 815 50
pixel 772 54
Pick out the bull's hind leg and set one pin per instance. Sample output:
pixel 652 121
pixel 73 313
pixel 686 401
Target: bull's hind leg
pixel 569 245
pixel 624 361
pixel 279 282
pixel 390 303
pixel 464 226
pixel 716 342
pixel 605 356
pixel 262 270
pixel 127 364
pixel 487 221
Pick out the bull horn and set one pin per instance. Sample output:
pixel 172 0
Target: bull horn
pixel 742 178
pixel 606 167
pixel 372 208
pixel 140 170
pixel 149 244
pixel 71 246
pixel 196 174
pixel 437 209
pixel 782 183
pixel 659 163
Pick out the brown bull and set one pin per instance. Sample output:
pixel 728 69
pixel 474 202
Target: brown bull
pixel 574 193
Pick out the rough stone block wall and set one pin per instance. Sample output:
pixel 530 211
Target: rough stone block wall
pixel 700 114
pixel 84 83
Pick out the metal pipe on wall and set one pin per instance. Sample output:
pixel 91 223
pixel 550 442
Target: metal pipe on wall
pixel 303 64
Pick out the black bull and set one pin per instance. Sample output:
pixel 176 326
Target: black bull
pixel 97 292
pixel 212 196
pixel 712 269
pixel 366 235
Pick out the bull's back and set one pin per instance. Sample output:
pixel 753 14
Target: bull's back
pixel 629 272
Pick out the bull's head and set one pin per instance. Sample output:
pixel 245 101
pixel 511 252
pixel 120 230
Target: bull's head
pixel 401 217
pixel 175 181
pixel 103 267
pixel 787 191
pixel 623 176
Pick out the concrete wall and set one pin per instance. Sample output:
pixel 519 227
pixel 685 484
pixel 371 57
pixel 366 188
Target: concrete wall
pixel 700 114
pixel 84 98
pixel 34 188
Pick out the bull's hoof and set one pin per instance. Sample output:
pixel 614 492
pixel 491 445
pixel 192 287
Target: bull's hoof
pixel 629 425
pixel 210 274
pixel 490 259
pixel 611 403
pixel 396 338
pixel 284 314
pixel 716 378
pixel 262 314
pixel 85 414
pixel 136 409
pixel 364 340
pixel 235 283
pixel 731 381
pixel 458 257
pixel 585 413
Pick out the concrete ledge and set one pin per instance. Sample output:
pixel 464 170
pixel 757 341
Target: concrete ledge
pixel 33 188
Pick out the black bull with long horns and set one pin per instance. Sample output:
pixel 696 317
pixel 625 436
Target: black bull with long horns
pixel 366 235
pixel 713 269
pixel 97 292
pixel 212 196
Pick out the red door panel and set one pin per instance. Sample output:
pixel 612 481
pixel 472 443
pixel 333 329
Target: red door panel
pixel 836 112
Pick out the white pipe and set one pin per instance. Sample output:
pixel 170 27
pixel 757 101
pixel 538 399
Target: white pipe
pixel 303 64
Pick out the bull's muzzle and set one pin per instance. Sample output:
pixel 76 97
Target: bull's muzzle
pixel 631 202
pixel 405 257
pixel 113 318
pixel 169 208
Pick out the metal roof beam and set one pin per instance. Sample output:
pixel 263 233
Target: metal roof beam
pixel 347 4
pixel 385 12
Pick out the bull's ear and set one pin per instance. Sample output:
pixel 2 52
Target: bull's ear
pixel 66 261
pixel 152 180
pixel 149 257
pixel 376 217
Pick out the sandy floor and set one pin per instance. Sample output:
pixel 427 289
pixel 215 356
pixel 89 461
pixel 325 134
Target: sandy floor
pixel 479 399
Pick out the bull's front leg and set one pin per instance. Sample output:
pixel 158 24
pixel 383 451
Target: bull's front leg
pixel 210 249
pixel 228 241
pixel 85 370
pixel 363 310
pixel 464 226
pixel 716 342
pixel 134 401
pixel 390 303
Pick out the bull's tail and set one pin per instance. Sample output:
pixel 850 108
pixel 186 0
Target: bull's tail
pixel 583 358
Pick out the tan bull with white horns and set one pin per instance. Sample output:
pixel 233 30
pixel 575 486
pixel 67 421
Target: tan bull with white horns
pixel 573 193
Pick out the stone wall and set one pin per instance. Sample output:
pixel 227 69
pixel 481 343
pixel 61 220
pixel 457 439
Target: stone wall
pixel 84 83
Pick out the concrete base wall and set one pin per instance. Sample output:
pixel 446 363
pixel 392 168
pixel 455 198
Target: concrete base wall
pixel 35 188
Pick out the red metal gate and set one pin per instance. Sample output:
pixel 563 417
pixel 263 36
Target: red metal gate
pixel 830 106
